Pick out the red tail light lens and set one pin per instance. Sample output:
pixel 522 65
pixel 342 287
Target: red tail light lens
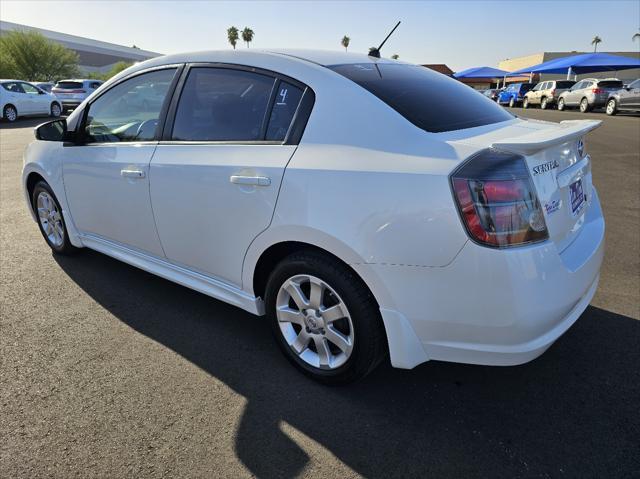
pixel 497 200
pixel 597 90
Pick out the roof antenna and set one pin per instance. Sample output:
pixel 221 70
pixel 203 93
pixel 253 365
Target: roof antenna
pixel 375 52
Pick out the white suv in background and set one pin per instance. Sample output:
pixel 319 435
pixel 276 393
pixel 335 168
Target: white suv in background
pixel 73 92
pixel 20 98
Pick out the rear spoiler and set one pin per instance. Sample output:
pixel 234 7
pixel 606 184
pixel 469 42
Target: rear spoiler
pixel 535 141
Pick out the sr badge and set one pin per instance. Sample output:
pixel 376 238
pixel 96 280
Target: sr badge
pixel 544 167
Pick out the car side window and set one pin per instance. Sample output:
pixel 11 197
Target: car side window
pixel 122 113
pixel 634 84
pixel 220 104
pixel 284 107
pixel 30 89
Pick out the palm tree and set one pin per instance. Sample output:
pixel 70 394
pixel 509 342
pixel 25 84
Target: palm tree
pixel 247 35
pixel 232 36
pixel 395 56
pixel 635 35
pixel 345 42
pixel 595 42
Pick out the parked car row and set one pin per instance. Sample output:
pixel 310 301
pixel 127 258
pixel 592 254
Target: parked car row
pixel 21 98
pixel 586 95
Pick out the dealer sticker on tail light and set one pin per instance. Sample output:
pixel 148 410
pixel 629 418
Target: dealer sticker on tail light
pixel 576 196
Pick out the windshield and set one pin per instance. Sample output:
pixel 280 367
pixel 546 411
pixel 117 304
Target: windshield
pixel 429 100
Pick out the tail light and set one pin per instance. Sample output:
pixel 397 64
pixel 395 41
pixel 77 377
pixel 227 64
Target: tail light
pixel 597 91
pixel 497 200
pixel 553 92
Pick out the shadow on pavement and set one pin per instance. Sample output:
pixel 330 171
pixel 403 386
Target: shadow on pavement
pixel 573 412
pixel 24 123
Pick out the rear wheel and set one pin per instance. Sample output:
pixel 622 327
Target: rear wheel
pixel 584 105
pixel 612 107
pixel 10 113
pixel 543 103
pixel 56 110
pixel 324 318
pixel 50 220
pixel 561 105
pixel 525 103
pixel 512 102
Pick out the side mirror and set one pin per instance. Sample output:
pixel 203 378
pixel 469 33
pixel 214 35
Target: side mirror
pixel 41 92
pixel 54 130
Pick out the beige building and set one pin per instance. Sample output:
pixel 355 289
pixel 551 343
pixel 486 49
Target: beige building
pixel 512 64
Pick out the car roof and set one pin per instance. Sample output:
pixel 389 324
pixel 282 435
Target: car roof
pixel 80 80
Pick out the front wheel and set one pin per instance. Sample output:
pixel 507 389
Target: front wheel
pixel 561 104
pixel 584 106
pixel 56 110
pixel 325 320
pixel 612 107
pixel 10 113
pixel 50 220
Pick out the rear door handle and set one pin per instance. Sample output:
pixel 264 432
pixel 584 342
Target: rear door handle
pixel 250 180
pixel 127 173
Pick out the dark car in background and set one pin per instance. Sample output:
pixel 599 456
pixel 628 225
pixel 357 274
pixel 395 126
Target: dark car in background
pixel 589 93
pixel 625 99
pixel 492 93
pixel 514 94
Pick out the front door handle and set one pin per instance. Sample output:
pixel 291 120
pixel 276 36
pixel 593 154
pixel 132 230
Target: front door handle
pixel 250 180
pixel 127 173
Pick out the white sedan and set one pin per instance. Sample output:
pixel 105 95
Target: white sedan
pixel 368 207
pixel 21 98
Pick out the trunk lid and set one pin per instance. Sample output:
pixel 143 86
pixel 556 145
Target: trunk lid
pixel 560 171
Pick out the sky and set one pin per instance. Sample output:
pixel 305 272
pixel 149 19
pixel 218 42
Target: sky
pixel 461 34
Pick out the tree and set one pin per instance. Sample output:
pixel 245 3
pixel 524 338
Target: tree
pixel 635 36
pixel 247 35
pixel 232 36
pixel 345 42
pixel 395 56
pixel 30 56
pixel 115 69
pixel 595 42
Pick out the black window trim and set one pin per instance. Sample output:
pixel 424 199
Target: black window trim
pixel 298 123
pixel 80 129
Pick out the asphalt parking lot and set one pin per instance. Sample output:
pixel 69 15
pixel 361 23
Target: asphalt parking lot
pixel 107 371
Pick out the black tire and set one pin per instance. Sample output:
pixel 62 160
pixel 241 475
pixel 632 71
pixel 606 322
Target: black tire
pixel 584 106
pixel 525 103
pixel 612 107
pixel 56 110
pixel 543 103
pixel 10 113
pixel 369 345
pixel 561 105
pixel 65 248
pixel 512 102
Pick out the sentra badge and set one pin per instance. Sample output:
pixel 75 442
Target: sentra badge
pixel 544 167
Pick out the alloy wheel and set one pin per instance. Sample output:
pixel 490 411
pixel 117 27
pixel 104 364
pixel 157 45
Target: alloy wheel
pixel 315 322
pixel 10 113
pixel 543 104
pixel 56 111
pixel 50 219
pixel 611 107
pixel 584 105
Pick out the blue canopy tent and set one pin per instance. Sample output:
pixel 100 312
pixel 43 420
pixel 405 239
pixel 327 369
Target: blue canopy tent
pixel 583 63
pixel 482 72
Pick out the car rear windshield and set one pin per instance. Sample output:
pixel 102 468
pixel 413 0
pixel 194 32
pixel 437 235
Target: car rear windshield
pixel 69 85
pixel 565 84
pixel 610 84
pixel 429 100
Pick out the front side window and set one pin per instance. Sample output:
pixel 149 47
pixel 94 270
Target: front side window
pixel 30 89
pixel 429 100
pixel 126 112
pixel 220 104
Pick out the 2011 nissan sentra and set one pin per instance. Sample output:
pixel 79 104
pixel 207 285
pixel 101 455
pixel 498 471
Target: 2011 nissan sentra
pixel 346 197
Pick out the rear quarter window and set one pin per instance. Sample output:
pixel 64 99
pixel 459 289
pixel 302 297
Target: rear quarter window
pixel 429 100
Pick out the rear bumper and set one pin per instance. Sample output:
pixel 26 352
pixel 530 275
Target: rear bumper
pixel 492 307
pixel 69 103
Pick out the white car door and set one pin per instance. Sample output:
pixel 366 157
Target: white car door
pixel 215 176
pixel 39 102
pixel 106 175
